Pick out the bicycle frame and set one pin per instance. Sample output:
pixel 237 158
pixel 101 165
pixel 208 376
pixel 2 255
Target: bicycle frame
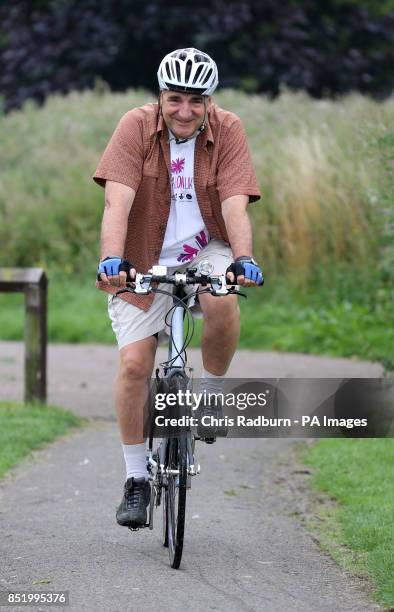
pixel 176 339
pixel 178 361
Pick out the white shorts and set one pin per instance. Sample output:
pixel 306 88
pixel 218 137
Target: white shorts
pixel 131 324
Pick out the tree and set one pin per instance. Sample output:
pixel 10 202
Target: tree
pixel 259 45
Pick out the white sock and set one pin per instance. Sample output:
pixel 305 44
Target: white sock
pixel 135 460
pixel 211 382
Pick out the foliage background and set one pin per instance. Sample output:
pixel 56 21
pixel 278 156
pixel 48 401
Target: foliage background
pixel 323 229
pixel 326 49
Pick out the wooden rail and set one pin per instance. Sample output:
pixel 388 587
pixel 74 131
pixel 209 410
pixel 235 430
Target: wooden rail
pixel 33 283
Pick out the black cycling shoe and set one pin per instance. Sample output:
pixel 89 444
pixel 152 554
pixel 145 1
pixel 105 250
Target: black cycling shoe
pixel 132 509
pixel 211 427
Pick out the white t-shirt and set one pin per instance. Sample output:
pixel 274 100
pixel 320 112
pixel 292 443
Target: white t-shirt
pixel 186 233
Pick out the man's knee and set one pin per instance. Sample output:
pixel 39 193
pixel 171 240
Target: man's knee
pixel 137 359
pixel 222 311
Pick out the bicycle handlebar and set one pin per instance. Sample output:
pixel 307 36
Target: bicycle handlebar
pixel 158 274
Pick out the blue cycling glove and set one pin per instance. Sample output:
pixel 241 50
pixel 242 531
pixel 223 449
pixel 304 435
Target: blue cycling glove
pixel 248 267
pixel 111 266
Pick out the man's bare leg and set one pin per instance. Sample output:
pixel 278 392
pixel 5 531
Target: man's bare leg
pixel 219 342
pixel 131 391
pixel 131 388
pixel 220 332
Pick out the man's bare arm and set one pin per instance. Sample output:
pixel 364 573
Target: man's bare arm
pixel 238 225
pixel 118 202
pixel 239 230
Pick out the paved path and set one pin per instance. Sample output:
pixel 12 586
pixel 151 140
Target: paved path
pixel 244 550
pixel 80 376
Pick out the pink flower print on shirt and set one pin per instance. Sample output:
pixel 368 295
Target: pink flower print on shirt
pixel 189 251
pixel 202 239
pixel 177 165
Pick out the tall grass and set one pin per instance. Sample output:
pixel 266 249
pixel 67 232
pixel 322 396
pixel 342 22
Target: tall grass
pixel 319 167
pixel 324 210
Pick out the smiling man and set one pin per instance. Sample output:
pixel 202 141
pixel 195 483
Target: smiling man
pixel 178 178
pixel 184 113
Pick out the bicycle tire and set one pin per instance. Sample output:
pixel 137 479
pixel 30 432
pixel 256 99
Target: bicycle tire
pixel 163 501
pixel 175 498
pixel 165 523
pixel 159 385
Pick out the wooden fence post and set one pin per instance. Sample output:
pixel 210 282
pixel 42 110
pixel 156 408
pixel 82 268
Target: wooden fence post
pixel 36 340
pixel 33 282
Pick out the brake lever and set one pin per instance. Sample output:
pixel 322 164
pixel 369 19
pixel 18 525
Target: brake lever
pixel 235 292
pixel 219 287
pixel 128 289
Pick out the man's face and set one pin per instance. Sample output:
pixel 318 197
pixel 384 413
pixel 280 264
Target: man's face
pixel 183 112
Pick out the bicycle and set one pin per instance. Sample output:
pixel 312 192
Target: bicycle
pixel 172 464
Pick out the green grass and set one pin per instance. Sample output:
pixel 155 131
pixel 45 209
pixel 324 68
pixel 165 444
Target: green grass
pixel 315 325
pixel 357 528
pixel 76 313
pixel 273 318
pixel 27 427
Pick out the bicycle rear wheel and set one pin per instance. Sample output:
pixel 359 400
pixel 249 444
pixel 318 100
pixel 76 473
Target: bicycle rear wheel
pixel 175 498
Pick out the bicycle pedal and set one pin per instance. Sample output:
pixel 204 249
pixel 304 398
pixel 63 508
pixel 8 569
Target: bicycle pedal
pixel 139 527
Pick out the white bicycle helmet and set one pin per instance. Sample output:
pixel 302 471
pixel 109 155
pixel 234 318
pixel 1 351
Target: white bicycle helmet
pixel 189 71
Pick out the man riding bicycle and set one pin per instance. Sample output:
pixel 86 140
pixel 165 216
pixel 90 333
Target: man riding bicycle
pixel 178 177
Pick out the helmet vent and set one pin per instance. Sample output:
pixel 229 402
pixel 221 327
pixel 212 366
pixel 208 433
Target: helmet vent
pixel 198 72
pixel 169 70
pixel 208 75
pixel 188 69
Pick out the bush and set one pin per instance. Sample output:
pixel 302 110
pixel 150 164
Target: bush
pixel 325 49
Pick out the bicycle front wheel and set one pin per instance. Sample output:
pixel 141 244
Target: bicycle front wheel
pixel 175 498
